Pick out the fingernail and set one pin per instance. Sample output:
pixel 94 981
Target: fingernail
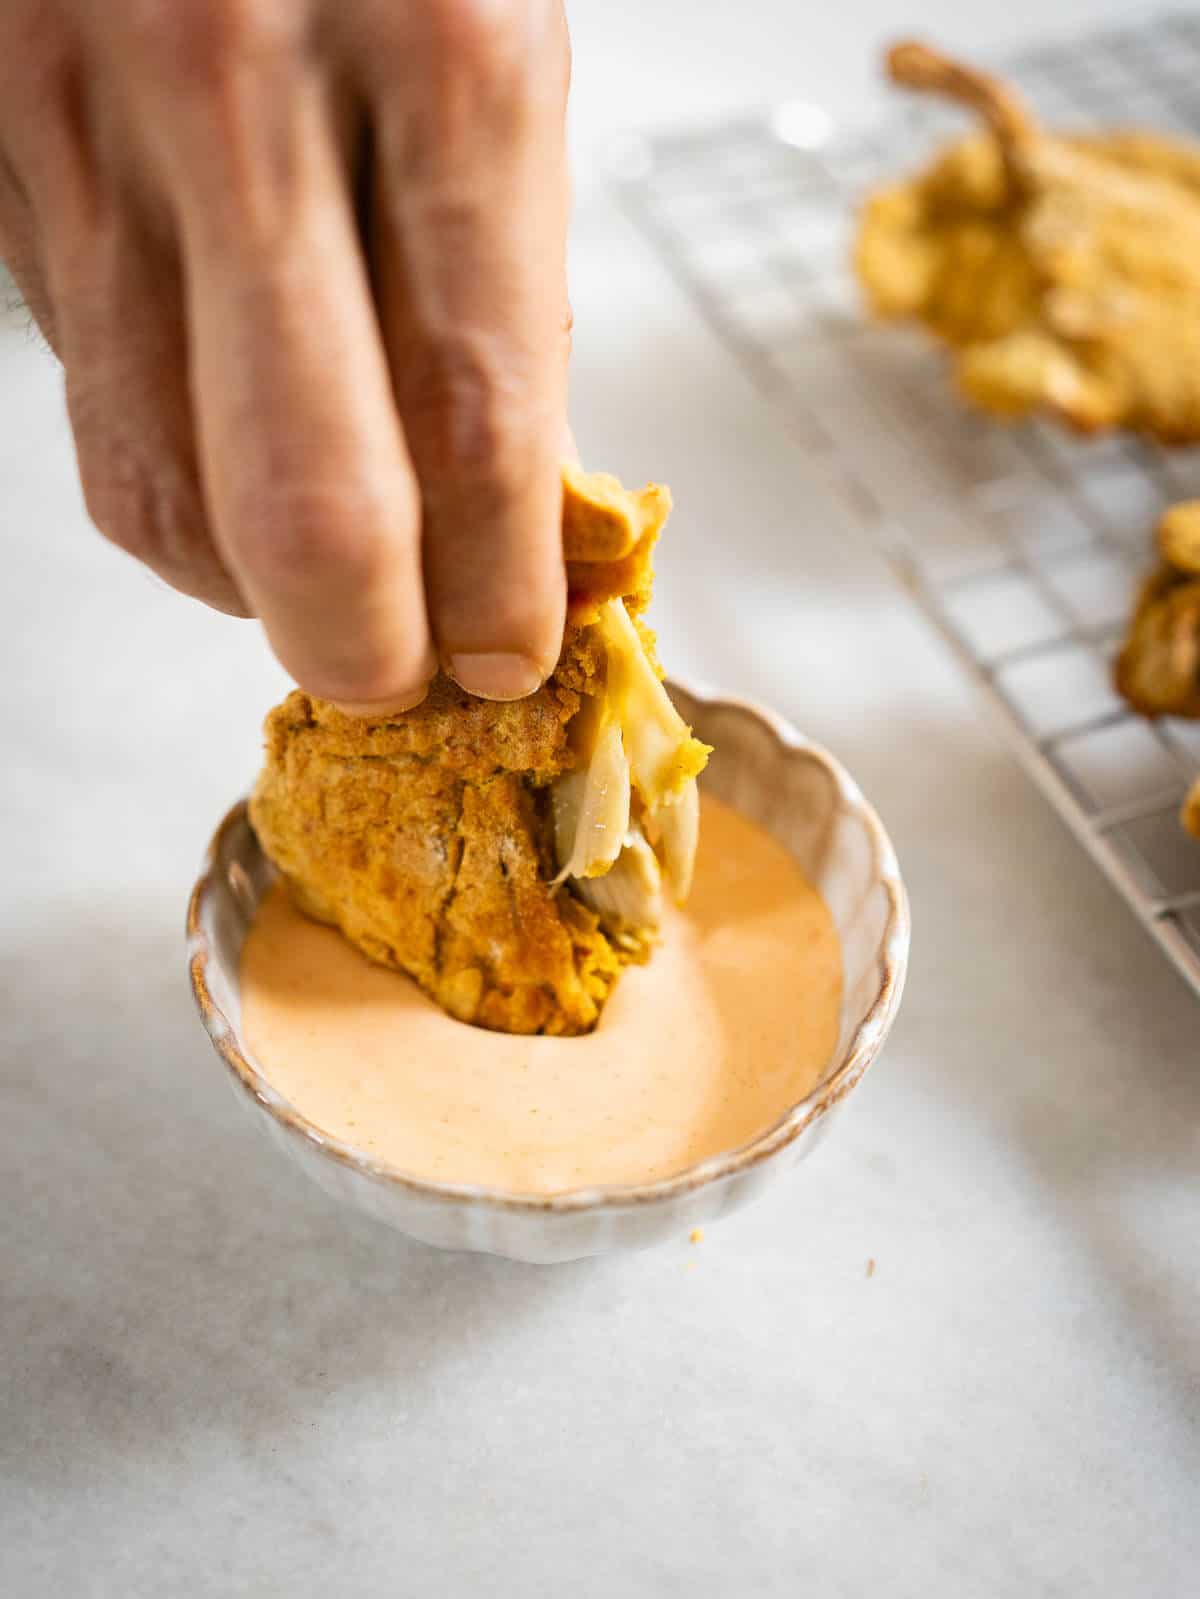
pixel 380 710
pixel 495 676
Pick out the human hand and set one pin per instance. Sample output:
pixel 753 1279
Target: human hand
pixel 303 264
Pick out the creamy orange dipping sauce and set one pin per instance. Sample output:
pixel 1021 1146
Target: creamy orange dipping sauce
pixel 731 1022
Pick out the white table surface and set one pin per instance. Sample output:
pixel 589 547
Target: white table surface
pixel 214 1382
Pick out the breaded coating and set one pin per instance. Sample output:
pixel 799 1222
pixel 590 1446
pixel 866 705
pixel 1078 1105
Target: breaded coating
pixel 428 837
pixel 1158 669
pixel 1190 815
pixel 1064 272
pixel 609 534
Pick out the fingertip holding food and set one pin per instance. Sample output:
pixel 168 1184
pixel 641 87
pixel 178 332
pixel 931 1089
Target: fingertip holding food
pixel 497 674
pixel 380 710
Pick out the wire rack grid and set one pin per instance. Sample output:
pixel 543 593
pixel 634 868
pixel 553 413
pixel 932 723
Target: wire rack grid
pixel 1022 543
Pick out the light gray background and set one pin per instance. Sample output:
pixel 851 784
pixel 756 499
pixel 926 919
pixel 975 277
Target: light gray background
pixel 213 1382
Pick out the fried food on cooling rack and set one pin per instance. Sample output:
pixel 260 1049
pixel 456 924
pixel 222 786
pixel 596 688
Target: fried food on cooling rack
pixel 509 857
pixel 1063 271
pixel 1190 815
pixel 1158 669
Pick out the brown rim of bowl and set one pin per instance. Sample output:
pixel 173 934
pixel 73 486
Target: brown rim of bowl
pixel 864 1045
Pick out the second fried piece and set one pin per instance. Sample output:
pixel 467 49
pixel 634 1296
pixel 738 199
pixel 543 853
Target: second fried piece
pixel 1063 271
pixel 1190 815
pixel 1158 669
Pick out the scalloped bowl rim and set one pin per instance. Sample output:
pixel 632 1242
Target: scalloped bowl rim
pixel 861 1049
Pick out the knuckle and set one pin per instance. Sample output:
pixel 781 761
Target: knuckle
pixel 134 507
pixel 475 24
pixel 291 536
pixel 472 63
pixel 467 410
pixel 486 40
pixel 146 501
pixel 205 40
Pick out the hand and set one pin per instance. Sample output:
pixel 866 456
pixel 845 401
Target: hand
pixel 303 263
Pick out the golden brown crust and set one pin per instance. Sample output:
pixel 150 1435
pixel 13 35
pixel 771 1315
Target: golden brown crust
pixel 609 534
pixel 422 839
pixel 604 522
pixel 425 836
pixel 1178 537
pixel 1158 669
pixel 1190 815
pixel 1063 272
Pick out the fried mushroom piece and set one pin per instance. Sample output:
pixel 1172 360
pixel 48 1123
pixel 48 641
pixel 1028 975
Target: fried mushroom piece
pixel 1190 815
pixel 1064 272
pixel 1158 669
pixel 467 842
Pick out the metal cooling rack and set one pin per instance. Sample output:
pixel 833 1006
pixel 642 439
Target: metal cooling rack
pixel 1022 543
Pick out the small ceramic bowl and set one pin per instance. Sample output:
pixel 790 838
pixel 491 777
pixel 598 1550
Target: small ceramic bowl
pixel 765 769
